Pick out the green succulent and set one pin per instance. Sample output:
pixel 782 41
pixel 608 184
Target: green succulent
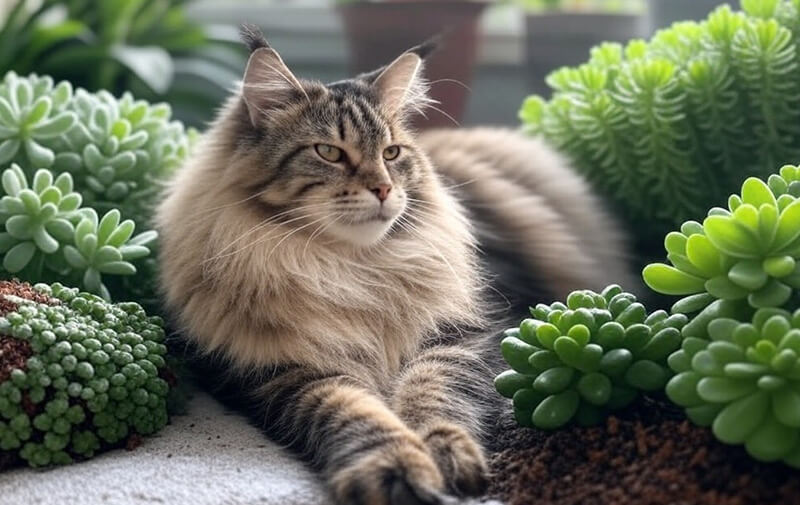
pixel 668 127
pixel 35 217
pixel 586 358
pixel 90 375
pixel 106 247
pixel 118 154
pixel 743 380
pixel 744 257
pixel 47 234
pixel 121 151
pixel 32 114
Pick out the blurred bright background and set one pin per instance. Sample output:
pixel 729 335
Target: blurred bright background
pixel 186 52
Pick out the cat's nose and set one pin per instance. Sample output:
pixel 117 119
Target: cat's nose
pixel 382 191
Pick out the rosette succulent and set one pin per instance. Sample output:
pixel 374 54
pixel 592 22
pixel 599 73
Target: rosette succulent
pixel 585 358
pixel 77 375
pixel 117 152
pixel 48 236
pixel 743 380
pixel 32 114
pixel 666 128
pixel 745 256
pixel 122 150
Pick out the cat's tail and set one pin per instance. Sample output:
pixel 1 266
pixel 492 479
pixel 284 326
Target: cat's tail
pixel 541 230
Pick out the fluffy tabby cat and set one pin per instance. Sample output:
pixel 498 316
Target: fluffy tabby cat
pixel 315 249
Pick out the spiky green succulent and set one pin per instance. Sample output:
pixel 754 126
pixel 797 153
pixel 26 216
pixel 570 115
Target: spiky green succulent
pixel 743 380
pixel 745 257
pixel 586 358
pixel 669 127
pixel 89 378
pixel 47 235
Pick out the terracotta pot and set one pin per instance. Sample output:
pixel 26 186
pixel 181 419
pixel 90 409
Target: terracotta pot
pixel 379 32
pixel 558 39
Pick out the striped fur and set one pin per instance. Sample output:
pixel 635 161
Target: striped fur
pixel 355 328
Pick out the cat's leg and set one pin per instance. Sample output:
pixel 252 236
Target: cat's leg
pixel 365 452
pixel 440 395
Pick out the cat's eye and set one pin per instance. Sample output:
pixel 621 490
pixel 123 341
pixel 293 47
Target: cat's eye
pixel 329 153
pixel 391 153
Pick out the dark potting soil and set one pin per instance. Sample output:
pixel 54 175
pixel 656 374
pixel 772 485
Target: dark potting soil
pixel 13 352
pixel 22 290
pixel 646 455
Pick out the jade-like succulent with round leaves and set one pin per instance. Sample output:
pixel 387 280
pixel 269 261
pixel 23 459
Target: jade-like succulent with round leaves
pixel 48 236
pixel 585 358
pixel 746 255
pixel 743 380
pixel 78 374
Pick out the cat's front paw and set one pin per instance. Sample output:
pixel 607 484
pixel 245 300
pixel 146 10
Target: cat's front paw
pixel 403 473
pixel 460 458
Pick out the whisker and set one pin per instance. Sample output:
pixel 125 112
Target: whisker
pixel 454 81
pixel 445 114
pixel 258 240
pixel 281 241
pixel 270 220
pixel 320 230
pixel 415 231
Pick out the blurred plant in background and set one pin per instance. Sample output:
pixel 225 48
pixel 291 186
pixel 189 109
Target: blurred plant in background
pixel 147 47
pixel 581 5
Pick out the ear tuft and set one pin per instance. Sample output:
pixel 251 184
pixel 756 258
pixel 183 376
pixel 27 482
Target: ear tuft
pixel 427 48
pixel 252 37
pixel 401 86
pixel 268 83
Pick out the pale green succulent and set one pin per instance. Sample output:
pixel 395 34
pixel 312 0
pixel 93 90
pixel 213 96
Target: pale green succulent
pixel 36 218
pixel 106 247
pixel 48 236
pixel 33 113
pixel 117 153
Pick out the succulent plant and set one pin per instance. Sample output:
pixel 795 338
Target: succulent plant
pixel 586 358
pixel 669 127
pixel 32 113
pixel 77 374
pixel 35 217
pixel 47 235
pixel 744 257
pixel 743 380
pixel 120 151
pixel 117 153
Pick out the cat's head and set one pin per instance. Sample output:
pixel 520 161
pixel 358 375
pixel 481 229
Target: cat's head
pixel 340 158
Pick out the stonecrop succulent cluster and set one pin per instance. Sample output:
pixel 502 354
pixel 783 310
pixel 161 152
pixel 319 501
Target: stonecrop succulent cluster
pixel 668 128
pixel 586 358
pixel 78 148
pixel 77 374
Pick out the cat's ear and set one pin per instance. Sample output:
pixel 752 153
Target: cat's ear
pixel 268 83
pixel 401 85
